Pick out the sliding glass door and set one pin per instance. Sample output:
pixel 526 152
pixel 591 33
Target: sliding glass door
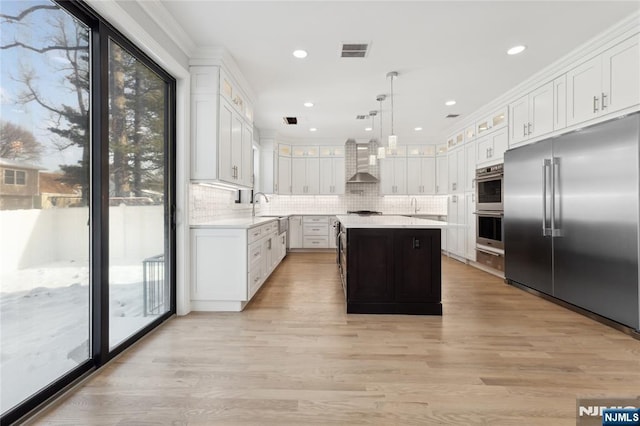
pixel 138 290
pixel 45 265
pixel 87 195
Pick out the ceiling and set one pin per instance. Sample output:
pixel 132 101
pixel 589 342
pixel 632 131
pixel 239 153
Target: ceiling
pixel 441 50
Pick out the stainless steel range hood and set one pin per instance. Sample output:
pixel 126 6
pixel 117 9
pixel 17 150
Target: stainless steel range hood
pixel 362 165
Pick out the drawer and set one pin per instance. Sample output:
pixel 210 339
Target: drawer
pixel 254 234
pixel 491 260
pixel 319 229
pixel 315 242
pixel 269 227
pixel 255 280
pixel 315 219
pixel 255 252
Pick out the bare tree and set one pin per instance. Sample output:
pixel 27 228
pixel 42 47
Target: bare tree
pixel 18 143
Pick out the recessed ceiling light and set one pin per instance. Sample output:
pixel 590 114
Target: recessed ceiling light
pixel 516 49
pixel 308 104
pixel 313 129
pixel 368 129
pixel 417 129
pixel 300 54
pixel 450 103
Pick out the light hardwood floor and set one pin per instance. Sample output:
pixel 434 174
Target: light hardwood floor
pixel 498 356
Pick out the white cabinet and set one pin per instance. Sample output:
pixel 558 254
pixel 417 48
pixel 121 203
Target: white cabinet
pixel 393 176
pixel 470 166
pixel 532 115
pixel 442 177
pixel 421 169
pixel 332 151
pixel 560 103
pixel 491 148
pixel 492 122
pixel 605 84
pixel 305 176
pixel 471 225
pixel 332 176
pixel 315 232
pixel 221 136
pixel 456 165
pixel 228 266
pixel 295 232
pixel 283 178
pixel 456 231
pixel 421 175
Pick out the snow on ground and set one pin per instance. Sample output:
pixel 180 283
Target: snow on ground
pixel 44 322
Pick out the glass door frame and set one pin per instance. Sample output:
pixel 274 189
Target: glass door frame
pixel 101 33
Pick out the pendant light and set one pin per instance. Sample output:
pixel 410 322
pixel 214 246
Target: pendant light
pixel 381 150
pixel 372 158
pixel 393 139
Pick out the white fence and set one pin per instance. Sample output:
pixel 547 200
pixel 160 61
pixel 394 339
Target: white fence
pixel 34 237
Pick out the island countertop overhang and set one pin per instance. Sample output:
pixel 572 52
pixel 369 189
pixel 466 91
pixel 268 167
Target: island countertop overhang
pixel 388 222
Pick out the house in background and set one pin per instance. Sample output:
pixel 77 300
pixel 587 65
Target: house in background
pixel 55 193
pixel 19 185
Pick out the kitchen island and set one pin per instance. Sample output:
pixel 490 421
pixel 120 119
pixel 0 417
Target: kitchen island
pixel 390 264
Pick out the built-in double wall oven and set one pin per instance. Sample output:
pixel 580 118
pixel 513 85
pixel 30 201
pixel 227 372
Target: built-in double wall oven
pixel 489 215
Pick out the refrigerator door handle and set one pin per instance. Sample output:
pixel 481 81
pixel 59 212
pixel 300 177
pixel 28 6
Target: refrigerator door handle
pixel 555 193
pixel 546 165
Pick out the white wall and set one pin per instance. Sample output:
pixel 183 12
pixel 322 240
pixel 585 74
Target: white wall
pixel 31 238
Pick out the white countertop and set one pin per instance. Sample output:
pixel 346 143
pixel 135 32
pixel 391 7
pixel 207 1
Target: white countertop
pixel 382 221
pixel 235 223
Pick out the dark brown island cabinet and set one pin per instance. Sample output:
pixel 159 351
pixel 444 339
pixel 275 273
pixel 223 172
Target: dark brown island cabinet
pixel 392 270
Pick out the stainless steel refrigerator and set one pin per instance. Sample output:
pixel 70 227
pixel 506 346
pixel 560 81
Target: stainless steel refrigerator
pixel 571 218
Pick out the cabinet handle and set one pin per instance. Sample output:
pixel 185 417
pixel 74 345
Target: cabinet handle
pixel 415 243
pixel 604 96
pixel 524 130
pixel 276 187
pixel 473 198
pixel 595 104
pixel 529 129
pixel 269 245
pixel 437 188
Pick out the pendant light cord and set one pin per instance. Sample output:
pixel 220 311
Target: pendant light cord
pixel 392 105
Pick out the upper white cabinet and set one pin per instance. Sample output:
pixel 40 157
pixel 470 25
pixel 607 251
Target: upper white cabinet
pixel 456 166
pixel 332 176
pixel 221 142
pixel 560 103
pixel 305 175
pixel 421 175
pixel 442 176
pixel 393 176
pixel 421 169
pixel 283 177
pixel 605 84
pixel 494 121
pixel 532 115
pixel 491 148
pixel 332 151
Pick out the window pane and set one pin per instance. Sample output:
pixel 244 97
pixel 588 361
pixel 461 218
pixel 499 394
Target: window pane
pixel 44 271
pixel 137 285
pixel 21 178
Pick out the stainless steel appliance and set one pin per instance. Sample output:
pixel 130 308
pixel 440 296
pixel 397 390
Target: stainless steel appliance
pixel 571 218
pixel 489 188
pixel 489 229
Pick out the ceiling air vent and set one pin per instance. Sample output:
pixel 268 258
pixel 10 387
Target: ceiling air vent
pixel 452 115
pixel 354 50
pixel 361 117
pixel 290 120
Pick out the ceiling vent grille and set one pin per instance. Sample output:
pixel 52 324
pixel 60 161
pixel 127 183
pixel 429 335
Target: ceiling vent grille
pixel 361 117
pixel 290 120
pixel 354 50
pixel 452 115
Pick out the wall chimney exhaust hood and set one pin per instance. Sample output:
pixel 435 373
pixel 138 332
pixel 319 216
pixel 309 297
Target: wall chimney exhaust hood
pixel 362 164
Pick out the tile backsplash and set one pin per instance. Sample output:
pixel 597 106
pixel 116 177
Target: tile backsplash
pixel 208 203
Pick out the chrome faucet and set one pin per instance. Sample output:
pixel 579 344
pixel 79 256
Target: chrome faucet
pixel 255 201
pixel 414 204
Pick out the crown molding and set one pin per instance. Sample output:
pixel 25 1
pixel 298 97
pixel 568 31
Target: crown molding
pixel 219 56
pixel 589 49
pixel 159 13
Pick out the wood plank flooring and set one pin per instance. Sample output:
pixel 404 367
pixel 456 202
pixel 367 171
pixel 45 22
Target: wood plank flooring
pixel 498 356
